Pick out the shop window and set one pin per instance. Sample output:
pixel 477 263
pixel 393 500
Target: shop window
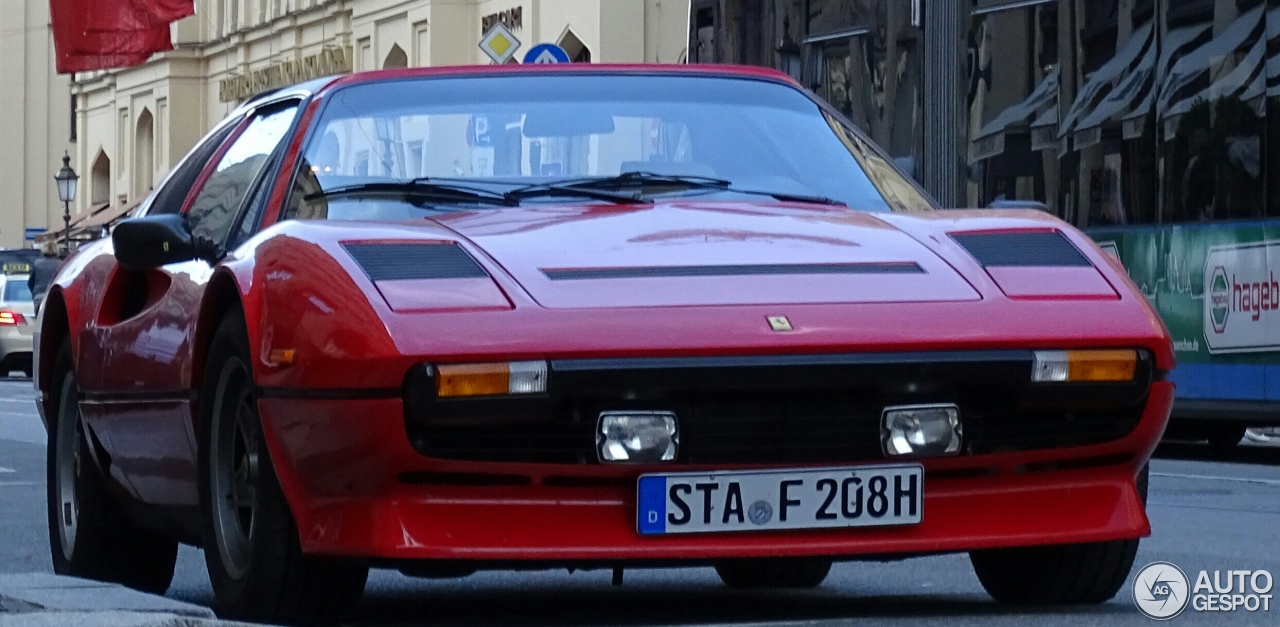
pixel 837 16
pixel 704 32
pixel 1183 12
pixel 1098 36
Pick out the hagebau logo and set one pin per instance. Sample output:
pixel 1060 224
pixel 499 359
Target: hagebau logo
pixel 1220 299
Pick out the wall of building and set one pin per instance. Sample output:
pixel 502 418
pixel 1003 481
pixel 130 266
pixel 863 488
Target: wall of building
pixel 143 120
pixel 35 121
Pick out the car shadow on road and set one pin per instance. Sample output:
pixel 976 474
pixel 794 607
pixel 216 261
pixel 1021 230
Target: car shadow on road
pixel 661 605
pixel 1190 451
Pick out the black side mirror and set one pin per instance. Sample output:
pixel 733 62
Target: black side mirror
pixel 154 241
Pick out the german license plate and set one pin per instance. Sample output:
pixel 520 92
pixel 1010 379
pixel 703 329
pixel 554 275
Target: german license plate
pixel 767 500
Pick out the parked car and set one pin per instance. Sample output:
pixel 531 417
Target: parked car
pixel 17 315
pixel 449 319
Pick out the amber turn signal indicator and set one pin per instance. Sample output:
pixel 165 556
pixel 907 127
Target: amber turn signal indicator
pixel 517 377
pixel 1083 366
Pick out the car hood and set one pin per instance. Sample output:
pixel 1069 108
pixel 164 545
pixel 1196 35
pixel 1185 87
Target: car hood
pixel 708 253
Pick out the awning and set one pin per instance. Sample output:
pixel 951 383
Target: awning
pixel 990 140
pixel 1232 83
pixel 99 34
pixel 1044 130
pixel 1174 42
pixel 1191 66
pixel 1125 59
pixel 88 224
pixel 1122 98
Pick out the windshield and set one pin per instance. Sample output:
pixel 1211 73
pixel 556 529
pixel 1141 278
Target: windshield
pixel 16 291
pixel 506 132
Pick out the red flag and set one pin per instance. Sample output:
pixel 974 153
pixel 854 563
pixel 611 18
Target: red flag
pixel 114 15
pixel 100 34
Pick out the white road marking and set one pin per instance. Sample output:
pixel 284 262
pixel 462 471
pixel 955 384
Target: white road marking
pixel 4 470
pixel 15 484
pixel 1173 475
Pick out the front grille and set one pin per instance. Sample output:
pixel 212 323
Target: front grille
pixel 814 417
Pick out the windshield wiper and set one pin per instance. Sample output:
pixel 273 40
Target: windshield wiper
pixel 422 188
pixel 572 190
pixel 684 182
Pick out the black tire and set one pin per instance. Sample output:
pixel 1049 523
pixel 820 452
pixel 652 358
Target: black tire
pixel 266 578
pixel 1055 575
pixel 1225 439
pixel 101 543
pixel 774 573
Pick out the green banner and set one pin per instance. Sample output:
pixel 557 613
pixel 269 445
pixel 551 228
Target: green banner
pixel 1217 286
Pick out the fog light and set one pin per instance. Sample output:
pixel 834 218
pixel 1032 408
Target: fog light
pixel 920 430
pixel 637 437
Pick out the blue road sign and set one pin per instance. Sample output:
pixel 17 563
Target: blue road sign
pixel 30 234
pixel 546 53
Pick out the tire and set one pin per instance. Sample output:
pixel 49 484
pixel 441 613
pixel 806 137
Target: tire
pixel 1225 439
pixel 254 557
pixel 774 573
pixel 1055 575
pixel 89 535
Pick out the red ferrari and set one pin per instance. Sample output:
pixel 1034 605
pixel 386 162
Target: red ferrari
pixel 443 320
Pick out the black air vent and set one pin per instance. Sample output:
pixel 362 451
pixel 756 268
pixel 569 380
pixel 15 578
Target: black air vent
pixel 1049 248
pixel 390 262
pixel 571 274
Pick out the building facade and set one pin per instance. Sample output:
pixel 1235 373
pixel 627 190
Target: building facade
pixel 968 95
pixel 133 124
pixel 35 122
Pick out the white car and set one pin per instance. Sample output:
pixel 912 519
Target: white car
pixel 17 322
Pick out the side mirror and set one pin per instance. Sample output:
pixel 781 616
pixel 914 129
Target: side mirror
pixel 153 241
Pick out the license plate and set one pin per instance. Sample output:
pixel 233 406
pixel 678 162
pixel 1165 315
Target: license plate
pixel 766 500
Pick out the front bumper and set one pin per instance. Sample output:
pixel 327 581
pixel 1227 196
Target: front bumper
pixel 357 487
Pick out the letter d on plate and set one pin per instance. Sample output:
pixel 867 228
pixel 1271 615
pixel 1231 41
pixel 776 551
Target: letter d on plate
pixel 653 505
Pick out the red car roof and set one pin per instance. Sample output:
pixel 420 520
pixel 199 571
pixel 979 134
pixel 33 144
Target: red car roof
pixel 696 69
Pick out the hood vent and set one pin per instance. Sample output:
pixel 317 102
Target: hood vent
pixel 1029 248
pixel 647 272
pixel 401 261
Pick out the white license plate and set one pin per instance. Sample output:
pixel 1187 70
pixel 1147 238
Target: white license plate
pixel 765 500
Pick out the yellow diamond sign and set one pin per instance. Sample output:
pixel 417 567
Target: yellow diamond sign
pixel 499 44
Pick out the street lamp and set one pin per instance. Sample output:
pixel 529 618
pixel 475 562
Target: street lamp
pixel 67 182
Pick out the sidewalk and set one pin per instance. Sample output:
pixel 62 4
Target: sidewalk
pixel 43 600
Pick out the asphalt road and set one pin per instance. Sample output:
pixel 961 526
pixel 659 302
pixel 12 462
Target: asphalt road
pixel 1207 513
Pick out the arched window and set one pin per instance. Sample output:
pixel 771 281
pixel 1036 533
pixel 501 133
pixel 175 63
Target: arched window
pixel 144 155
pixel 396 58
pixel 100 193
pixel 578 51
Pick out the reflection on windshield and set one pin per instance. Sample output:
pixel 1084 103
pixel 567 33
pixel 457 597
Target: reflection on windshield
pixel 514 131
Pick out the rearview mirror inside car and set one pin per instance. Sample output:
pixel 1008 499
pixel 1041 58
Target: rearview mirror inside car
pixel 153 241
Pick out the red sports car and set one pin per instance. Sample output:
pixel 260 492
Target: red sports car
pixel 452 319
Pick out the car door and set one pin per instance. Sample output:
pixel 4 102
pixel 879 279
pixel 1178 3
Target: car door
pixel 146 326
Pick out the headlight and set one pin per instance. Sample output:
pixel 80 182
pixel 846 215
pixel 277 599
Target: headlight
pixel 920 430
pixel 637 437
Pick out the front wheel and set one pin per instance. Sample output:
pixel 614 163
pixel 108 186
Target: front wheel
pixel 252 550
pixel 773 573
pixel 1055 575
